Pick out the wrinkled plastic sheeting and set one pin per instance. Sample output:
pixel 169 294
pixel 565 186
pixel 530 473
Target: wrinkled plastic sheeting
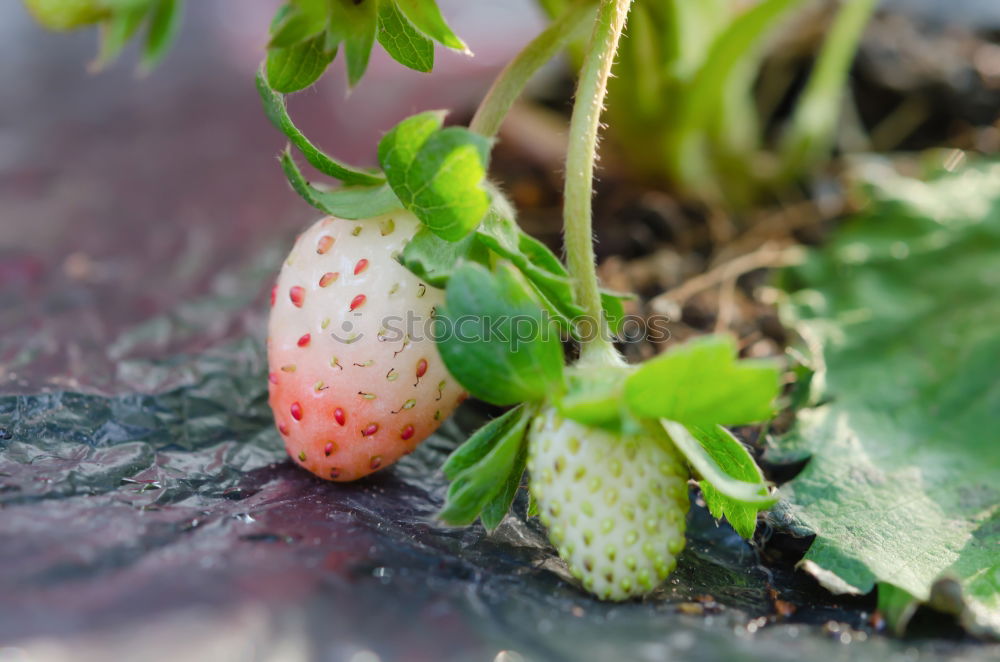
pixel 152 521
pixel 147 508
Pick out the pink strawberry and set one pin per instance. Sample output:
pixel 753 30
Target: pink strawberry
pixel 352 387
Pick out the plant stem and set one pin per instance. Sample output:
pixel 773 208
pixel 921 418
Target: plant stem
pixel 815 120
pixel 511 81
pixel 578 192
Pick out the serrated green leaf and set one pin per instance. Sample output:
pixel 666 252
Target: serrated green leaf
pixel 495 339
pixel 902 310
pixel 733 458
pixel 426 17
pixel 164 23
pixel 401 40
pixel 438 173
pixel 297 67
pixel 277 112
pixel 701 383
pixel 350 203
pixel 353 24
pixel 499 453
pixel 704 462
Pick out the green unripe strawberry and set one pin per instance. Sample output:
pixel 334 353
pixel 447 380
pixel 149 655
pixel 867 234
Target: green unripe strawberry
pixel 66 14
pixel 614 504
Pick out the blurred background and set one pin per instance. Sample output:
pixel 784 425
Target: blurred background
pixel 141 222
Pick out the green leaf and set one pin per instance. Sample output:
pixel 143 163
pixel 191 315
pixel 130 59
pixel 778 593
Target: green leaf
pixel 482 474
pixel 353 24
pixel 433 260
pixel 277 112
pixel 733 458
pixel 401 40
pixel 438 173
pixel 426 17
pixel 164 23
pixel 902 311
pixel 701 383
pixel 704 462
pixel 538 264
pixel 297 67
pixel 495 339
pixel 351 203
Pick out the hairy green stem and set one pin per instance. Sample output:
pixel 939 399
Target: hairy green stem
pixel 508 85
pixel 578 193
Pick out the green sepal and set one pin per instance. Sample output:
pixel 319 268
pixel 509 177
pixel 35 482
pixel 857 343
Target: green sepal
pixel 116 32
pixel 483 469
pixel 348 202
pixel 298 66
pixel 595 397
pixel 532 510
pixel 703 461
pixel 353 24
pixel 497 508
pixel 432 259
pixel 733 458
pixel 277 112
pixel 297 22
pixel 475 448
pixel 164 23
pixel 701 382
pixel 494 337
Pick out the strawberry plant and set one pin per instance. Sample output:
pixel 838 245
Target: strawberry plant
pixel 609 446
pixel 418 286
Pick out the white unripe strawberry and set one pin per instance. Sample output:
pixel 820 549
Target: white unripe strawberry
pixel 614 504
pixel 356 381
